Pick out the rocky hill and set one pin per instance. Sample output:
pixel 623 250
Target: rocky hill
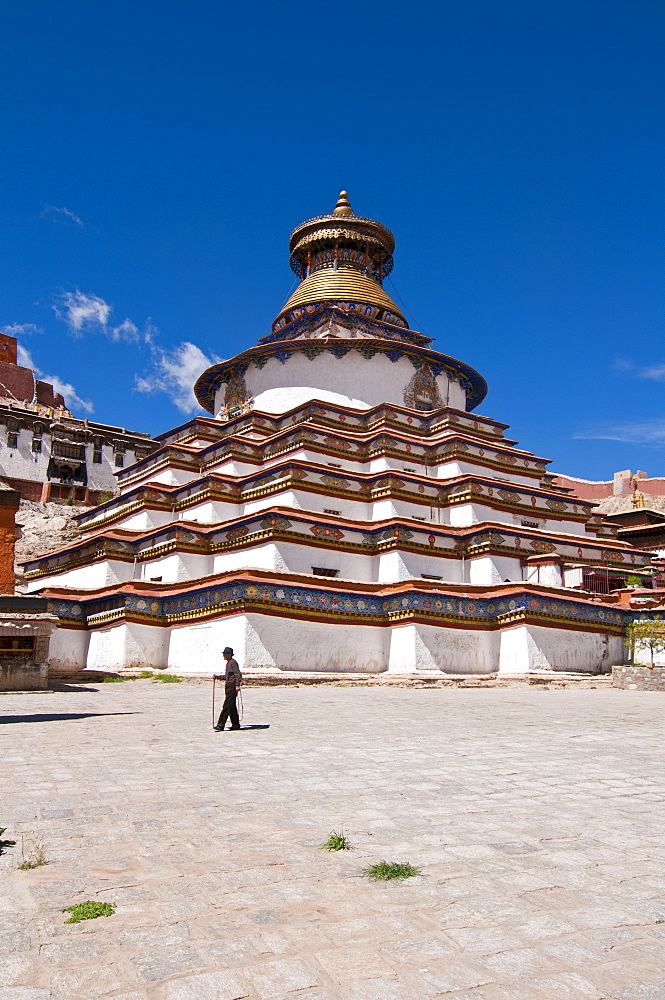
pixel 43 528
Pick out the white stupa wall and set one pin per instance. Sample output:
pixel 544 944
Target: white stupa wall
pixel 94 576
pixel 535 647
pixel 485 571
pixel 266 641
pixel 349 381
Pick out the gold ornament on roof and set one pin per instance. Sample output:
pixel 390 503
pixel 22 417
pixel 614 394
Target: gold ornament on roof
pixel 343 206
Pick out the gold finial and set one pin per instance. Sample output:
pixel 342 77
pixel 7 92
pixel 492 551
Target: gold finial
pixel 343 207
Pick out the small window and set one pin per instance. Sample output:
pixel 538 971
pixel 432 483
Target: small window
pixel 530 524
pixel 16 647
pixel 155 579
pixel 322 571
pixel 407 469
pixel 97 457
pixel 417 518
pixel 430 576
pixel 334 465
pixel 329 510
pixel 12 440
pixel 119 459
pixel 36 445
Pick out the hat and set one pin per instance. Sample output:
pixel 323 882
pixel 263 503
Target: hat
pixel 228 650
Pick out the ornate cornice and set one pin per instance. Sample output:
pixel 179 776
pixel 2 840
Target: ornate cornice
pixel 349 604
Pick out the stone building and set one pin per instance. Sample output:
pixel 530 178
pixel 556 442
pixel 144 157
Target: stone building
pixel 48 454
pixel 343 508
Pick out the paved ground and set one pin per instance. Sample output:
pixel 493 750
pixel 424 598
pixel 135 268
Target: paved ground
pixel 536 816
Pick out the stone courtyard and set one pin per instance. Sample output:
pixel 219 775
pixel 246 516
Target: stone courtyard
pixel 535 815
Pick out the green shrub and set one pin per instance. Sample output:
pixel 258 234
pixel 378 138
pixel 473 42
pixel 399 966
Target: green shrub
pixel 336 842
pixel 89 910
pixel 387 871
pixel 645 635
pixel 168 678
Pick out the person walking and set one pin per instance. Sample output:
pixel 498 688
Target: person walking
pixel 232 681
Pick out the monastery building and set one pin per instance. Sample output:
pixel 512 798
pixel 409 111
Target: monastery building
pixel 342 508
pixel 48 454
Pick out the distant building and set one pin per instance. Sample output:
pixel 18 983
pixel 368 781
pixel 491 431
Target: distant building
pixel 48 454
pixel 635 504
pixel 626 491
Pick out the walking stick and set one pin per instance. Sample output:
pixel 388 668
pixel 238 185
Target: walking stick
pixel 213 701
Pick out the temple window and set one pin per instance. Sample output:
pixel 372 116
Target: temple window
pixel 12 439
pixel 322 571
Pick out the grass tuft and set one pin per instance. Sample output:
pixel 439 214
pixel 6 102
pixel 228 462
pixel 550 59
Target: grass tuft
pixel 35 856
pixel 89 910
pixel 146 673
pixel 113 680
pixel 336 842
pixel 388 871
pixel 169 678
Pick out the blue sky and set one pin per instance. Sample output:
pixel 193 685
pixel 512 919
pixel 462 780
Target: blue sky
pixel 156 156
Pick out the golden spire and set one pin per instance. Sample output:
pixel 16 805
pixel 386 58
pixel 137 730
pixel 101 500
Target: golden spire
pixel 343 207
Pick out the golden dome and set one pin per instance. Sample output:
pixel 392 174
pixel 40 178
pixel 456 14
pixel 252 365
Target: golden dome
pixel 343 285
pixel 342 257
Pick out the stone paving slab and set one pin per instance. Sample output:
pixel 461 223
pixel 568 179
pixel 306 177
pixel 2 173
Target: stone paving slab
pixel 536 816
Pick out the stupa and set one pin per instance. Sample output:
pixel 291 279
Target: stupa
pixel 343 509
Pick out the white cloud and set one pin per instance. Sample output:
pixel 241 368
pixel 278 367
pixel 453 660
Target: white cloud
pixel 20 329
pixel 656 372
pixel 126 331
pixel 62 215
pixel 24 357
pixel 631 432
pixel 175 372
pixel 653 371
pixel 82 312
pixel 72 398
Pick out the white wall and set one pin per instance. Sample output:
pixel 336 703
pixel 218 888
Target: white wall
pixel 68 649
pixel 267 641
pixel 91 577
pixel 266 556
pixel 547 575
pixel 452 651
pixel 175 567
pixel 487 570
pixel 348 381
pixel 128 645
pixel 317 646
pixel 526 648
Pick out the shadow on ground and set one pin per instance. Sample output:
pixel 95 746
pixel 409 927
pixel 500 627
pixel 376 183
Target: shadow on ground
pixel 58 716
pixel 55 686
pixel 243 728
